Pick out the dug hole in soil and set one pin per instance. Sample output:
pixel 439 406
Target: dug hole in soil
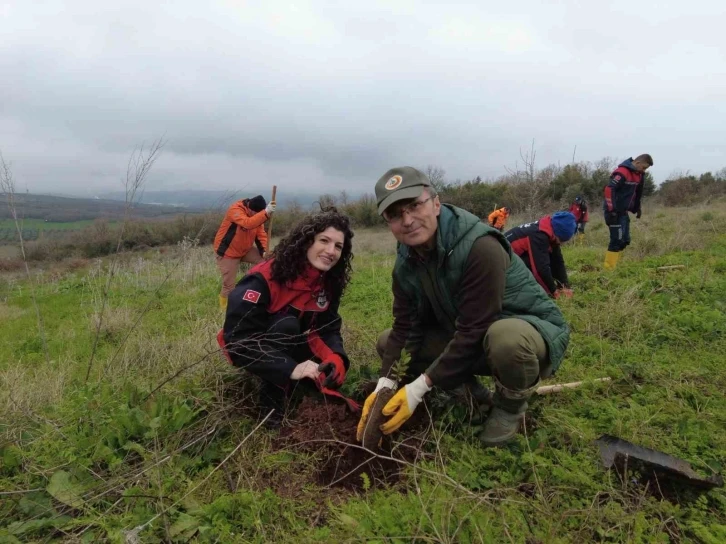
pixel 328 431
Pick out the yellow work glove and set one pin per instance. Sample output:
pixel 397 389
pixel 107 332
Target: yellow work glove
pixel 368 404
pixel 403 403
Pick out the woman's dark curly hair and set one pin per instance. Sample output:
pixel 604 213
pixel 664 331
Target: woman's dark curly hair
pixel 291 253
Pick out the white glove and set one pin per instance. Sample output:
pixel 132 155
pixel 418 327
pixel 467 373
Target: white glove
pixel 308 369
pixel 270 208
pixel 385 382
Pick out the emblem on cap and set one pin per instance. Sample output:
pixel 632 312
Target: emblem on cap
pixel 394 182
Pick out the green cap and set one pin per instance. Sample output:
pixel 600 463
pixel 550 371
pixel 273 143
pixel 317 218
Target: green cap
pixel 400 183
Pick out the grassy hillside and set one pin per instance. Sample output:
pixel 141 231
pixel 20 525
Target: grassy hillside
pixel 59 209
pixel 162 443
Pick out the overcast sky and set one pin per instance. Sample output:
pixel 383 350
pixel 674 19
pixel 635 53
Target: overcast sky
pixel 322 96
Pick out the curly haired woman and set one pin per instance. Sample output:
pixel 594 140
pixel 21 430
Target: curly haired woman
pixel 282 320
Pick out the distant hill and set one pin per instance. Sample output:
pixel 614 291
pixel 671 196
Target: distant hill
pixel 213 200
pixel 63 209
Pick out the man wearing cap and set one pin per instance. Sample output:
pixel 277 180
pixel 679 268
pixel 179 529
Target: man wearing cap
pixel 538 245
pixel 623 194
pixel 241 230
pixel 463 306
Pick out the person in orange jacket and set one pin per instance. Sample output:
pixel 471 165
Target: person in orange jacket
pixel 498 218
pixel 241 238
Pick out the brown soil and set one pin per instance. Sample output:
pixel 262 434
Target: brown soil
pixel 328 431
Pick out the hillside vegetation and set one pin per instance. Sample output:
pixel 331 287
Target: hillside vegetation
pixel 153 438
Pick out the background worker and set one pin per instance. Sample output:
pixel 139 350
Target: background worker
pixel 463 306
pixel 241 238
pixel 498 218
pixel 538 245
pixel 579 210
pixel 622 195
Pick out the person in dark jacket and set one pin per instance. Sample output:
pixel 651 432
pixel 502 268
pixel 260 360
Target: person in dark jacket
pixel 241 238
pixel 538 245
pixel 579 210
pixel 622 195
pixel 282 321
pixel 463 306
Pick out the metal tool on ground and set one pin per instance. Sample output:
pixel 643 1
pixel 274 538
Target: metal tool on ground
pixel 557 387
pixel 625 456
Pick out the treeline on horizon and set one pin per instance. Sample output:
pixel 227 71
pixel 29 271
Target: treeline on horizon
pixel 528 191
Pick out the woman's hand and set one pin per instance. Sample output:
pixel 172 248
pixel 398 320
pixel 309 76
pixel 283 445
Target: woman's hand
pixel 308 369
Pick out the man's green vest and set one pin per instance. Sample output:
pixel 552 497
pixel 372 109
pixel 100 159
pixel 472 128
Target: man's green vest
pixel 439 281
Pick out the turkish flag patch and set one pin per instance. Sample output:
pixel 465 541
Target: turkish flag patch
pixel 251 296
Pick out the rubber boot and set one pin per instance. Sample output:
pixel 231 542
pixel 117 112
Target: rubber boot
pixel 272 398
pixel 223 303
pixel 506 417
pixel 503 423
pixel 611 259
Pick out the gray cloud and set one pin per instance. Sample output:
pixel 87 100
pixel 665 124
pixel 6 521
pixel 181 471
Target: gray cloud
pixel 328 97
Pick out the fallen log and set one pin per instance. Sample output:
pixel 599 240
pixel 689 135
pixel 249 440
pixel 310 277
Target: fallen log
pixel 557 387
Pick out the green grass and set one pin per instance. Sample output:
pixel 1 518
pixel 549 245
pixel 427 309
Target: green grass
pixel 93 461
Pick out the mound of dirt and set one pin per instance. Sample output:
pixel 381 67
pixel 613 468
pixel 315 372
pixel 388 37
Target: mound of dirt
pixel 329 432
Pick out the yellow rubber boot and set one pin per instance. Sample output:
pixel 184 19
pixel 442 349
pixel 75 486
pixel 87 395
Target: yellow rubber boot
pixel 223 303
pixel 611 259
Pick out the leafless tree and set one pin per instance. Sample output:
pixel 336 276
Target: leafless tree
pixel 529 190
pixel 437 177
pixel 138 167
pixel 7 184
pixel 327 201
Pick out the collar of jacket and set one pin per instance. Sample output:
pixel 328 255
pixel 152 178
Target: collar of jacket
pixel 453 224
pixel 545 225
pixel 310 280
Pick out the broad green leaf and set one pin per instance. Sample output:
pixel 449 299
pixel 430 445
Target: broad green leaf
pixel 62 489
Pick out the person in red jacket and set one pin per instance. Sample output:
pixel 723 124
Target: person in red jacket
pixel 538 245
pixel 241 238
pixel 579 210
pixel 282 321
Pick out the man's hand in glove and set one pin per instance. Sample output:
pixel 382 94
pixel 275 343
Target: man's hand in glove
pixel 308 369
pixel 611 218
pixel 334 370
pixel 368 405
pixel 403 403
pixel 638 213
pixel 271 207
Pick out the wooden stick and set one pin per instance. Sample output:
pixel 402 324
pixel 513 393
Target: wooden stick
pixel 556 388
pixel 269 225
pixel 670 267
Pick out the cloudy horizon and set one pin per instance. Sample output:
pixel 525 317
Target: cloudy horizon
pixel 325 97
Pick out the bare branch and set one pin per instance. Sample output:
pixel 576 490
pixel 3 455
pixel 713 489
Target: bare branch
pixel 7 184
pixel 138 167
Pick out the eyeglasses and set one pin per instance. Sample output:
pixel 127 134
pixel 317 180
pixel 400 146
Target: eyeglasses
pixel 397 215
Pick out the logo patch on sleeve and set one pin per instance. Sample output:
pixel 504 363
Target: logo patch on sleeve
pixel 251 296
